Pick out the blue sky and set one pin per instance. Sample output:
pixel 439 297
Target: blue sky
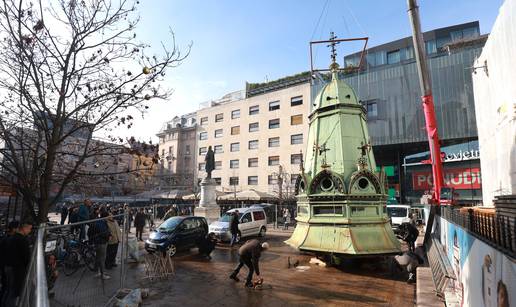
pixel 239 41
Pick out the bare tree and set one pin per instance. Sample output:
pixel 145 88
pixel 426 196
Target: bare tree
pixel 70 70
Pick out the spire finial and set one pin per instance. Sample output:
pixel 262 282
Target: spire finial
pixel 334 65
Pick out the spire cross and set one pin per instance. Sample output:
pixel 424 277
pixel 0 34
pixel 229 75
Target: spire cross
pixel 333 49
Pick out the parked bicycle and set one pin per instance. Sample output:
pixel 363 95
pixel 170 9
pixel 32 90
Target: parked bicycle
pixel 78 254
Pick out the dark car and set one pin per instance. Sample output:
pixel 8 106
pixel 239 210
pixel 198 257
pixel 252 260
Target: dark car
pixel 178 232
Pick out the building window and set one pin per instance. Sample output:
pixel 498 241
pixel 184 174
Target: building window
pixel 202 151
pixel 274 142
pixel 254 110
pixel 203 136
pixel 380 57
pixel 202 166
pixel 274 123
pixel 253 144
pixel 170 149
pixel 218 165
pixel 252 162
pixel 219 117
pixel 272 180
pixel 234 147
pixel 218 181
pixel 234 163
pixel 235 114
pixel 204 120
pixel 218 133
pixel 372 109
pixel 252 180
pixel 293 178
pixel 187 150
pixel 218 149
pixel 295 159
pixel 409 53
pixel 233 180
pixel 296 101
pixel 393 57
pixel 274 105
pixel 296 119
pixel 296 139
pixel 273 160
pixel 235 130
pixel 253 127
pixel 430 46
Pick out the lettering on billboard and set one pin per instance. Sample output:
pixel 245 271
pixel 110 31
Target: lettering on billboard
pixel 458 178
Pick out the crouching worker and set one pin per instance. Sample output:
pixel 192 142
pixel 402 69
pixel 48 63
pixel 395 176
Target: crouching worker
pixel 207 245
pixel 409 262
pixel 409 234
pixel 250 254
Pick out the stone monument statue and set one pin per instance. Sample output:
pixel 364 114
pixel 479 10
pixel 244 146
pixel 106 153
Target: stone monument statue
pixel 208 207
pixel 209 160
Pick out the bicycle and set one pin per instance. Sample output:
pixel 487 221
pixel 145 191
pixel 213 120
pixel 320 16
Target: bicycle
pixel 78 255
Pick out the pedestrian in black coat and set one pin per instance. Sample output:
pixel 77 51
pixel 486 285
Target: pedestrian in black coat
pixel 16 261
pixel 233 227
pixel 139 223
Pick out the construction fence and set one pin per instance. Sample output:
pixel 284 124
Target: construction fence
pixel 68 269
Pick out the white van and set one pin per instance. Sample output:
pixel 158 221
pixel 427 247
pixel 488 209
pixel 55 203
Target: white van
pixel 399 214
pixel 252 222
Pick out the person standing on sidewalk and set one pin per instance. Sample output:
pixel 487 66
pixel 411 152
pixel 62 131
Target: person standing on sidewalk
pixel 114 240
pixel 64 213
pixel 250 254
pixel 286 218
pixel 139 223
pixel 16 262
pixel 99 235
pixel 233 227
pixel 84 215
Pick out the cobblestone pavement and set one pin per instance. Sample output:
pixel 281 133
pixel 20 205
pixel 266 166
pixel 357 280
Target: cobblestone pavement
pixel 200 282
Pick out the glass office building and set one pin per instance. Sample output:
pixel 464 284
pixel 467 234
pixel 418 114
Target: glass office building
pixel 388 87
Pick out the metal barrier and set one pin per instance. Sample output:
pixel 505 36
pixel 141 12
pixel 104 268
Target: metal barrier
pixel 48 285
pixel 35 287
pixel 442 272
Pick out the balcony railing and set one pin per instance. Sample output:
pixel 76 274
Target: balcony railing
pixel 494 229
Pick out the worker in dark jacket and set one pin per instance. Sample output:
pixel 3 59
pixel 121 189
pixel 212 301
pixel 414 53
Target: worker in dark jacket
pixel 207 245
pixel 409 234
pixel 233 227
pixel 16 262
pixel 139 223
pixel 250 254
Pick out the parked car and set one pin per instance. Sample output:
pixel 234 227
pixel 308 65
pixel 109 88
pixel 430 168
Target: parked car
pixel 252 222
pixel 176 233
pixel 399 214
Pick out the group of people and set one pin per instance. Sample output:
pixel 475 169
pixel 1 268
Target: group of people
pixel 104 233
pixel 14 261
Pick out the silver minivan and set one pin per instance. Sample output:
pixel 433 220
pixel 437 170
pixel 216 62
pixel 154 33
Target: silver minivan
pixel 252 222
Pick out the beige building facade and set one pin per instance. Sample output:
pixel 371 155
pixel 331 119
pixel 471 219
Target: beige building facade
pixel 177 152
pixel 256 135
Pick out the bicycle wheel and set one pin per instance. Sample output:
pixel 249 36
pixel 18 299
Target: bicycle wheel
pixel 89 258
pixel 71 263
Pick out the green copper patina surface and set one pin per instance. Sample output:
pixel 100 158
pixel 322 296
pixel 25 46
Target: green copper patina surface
pixel 341 199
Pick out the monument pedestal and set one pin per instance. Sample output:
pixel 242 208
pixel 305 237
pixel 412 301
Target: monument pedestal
pixel 208 207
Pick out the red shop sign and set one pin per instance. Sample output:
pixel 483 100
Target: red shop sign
pixel 458 178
